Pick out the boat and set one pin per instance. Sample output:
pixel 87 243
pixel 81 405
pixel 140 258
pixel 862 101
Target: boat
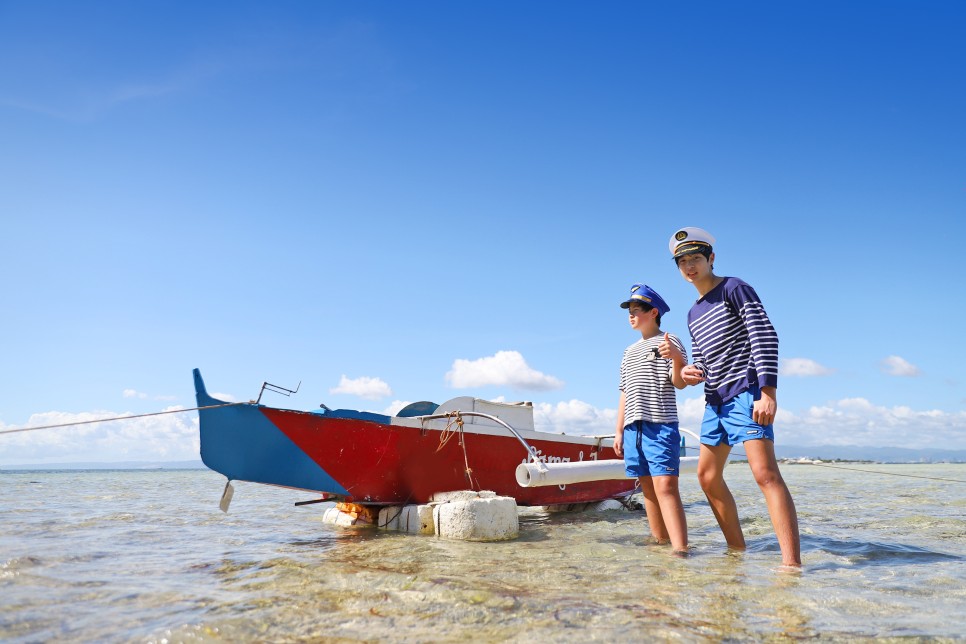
pixel 373 459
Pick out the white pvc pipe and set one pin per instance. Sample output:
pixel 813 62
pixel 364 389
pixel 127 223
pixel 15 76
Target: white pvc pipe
pixel 540 474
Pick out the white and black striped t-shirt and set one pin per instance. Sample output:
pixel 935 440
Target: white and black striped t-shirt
pixel 646 382
pixel 733 340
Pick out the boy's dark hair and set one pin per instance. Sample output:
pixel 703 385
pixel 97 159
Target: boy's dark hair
pixel 704 250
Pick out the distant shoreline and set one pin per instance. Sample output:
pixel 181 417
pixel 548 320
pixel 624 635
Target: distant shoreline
pixel 134 466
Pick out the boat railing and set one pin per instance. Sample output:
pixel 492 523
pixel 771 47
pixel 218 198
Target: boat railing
pixel 691 434
pixel 531 450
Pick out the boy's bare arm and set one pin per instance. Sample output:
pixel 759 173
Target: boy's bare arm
pixel 670 351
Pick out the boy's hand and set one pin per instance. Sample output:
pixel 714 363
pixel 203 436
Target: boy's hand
pixel 669 350
pixel 765 407
pixel 692 375
pixel 619 443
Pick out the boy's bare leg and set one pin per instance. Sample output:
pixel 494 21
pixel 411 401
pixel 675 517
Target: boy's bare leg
pixel 711 464
pixel 672 511
pixel 781 507
pixel 652 507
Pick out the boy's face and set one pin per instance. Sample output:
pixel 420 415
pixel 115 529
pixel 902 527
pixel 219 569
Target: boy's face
pixel 695 267
pixel 639 317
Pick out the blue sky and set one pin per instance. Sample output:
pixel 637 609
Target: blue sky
pixel 391 202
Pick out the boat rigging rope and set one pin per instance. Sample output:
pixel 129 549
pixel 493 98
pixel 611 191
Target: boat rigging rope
pixel 105 420
pixel 457 418
pixel 855 469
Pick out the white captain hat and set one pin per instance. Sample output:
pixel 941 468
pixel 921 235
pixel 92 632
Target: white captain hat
pixel 688 240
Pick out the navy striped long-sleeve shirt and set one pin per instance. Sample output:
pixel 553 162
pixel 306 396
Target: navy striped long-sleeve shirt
pixel 733 341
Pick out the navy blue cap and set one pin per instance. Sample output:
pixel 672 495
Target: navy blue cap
pixel 644 294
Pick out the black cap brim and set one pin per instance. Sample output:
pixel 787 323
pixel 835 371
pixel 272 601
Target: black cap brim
pixel 627 304
pixel 690 248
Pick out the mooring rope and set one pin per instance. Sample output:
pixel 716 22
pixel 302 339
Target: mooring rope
pixel 107 420
pixel 447 434
pixel 855 469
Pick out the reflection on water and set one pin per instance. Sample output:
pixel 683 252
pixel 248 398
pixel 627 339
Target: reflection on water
pixel 148 556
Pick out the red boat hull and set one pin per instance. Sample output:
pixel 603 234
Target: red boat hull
pixel 393 464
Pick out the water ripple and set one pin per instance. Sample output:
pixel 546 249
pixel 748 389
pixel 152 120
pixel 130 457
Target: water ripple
pixel 136 556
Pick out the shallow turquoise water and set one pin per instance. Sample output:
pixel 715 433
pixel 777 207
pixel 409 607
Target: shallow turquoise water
pixel 147 556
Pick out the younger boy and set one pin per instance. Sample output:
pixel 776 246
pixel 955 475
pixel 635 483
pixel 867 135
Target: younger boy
pixel 647 417
pixel 735 352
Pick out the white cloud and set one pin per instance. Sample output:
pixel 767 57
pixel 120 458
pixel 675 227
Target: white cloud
pixel 804 367
pixel 170 437
pixel 690 413
pixel 505 368
pixel 850 421
pixel 574 417
pixel 896 366
pixel 364 387
pixel 856 421
pixel 394 407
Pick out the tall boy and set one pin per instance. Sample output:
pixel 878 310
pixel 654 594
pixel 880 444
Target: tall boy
pixel 735 351
pixel 647 416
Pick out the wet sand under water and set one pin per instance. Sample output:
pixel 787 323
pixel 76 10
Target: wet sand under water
pixel 147 556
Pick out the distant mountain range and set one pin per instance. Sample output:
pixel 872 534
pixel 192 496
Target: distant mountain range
pixel 823 452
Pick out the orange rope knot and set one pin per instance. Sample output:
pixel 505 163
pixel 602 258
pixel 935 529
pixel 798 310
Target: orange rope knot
pixel 456 418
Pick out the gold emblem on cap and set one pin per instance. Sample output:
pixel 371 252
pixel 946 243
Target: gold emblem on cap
pixel 681 235
pixel 634 290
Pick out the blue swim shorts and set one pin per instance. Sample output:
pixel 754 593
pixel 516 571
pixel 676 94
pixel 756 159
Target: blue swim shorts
pixel 652 449
pixel 731 423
